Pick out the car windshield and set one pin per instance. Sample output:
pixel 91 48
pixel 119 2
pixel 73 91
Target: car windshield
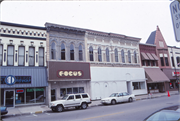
pixel 165 115
pixel 113 95
pixel 65 97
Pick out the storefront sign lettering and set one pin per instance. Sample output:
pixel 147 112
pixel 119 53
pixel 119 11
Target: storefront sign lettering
pixel 70 73
pixel 175 73
pixel 19 90
pixel 35 89
pixel 18 79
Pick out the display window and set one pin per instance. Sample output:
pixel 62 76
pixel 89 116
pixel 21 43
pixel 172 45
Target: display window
pixel 19 96
pixel 73 90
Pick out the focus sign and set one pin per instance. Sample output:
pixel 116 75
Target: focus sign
pixel 175 13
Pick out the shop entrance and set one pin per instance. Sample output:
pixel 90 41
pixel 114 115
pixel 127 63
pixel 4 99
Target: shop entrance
pixel 9 98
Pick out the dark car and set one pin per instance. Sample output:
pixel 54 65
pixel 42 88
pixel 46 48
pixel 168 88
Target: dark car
pixel 4 110
pixel 165 114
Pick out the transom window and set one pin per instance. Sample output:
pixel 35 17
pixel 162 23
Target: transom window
pixel 116 55
pixel 99 55
pixel 91 53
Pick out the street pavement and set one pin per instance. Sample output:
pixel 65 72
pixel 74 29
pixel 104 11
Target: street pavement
pixel 17 111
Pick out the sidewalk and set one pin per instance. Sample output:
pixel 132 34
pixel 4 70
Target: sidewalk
pixel 44 108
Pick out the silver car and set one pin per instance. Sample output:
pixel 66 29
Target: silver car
pixel 118 97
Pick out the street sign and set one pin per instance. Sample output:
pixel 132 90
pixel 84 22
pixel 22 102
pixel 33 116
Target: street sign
pixel 175 14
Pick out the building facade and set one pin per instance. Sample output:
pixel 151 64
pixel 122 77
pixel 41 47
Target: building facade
pixel 23 64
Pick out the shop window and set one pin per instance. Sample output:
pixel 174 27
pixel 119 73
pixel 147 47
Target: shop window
pixel 177 85
pixel 62 92
pixel 41 56
pixel 75 90
pixel 116 55
pixel 153 86
pixel 53 51
pixel 107 55
pixel 71 52
pixel 138 85
pixel 171 86
pixel 31 56
pixel 21 55
pixel 122 54
pixel 91 54
pixel 10 55
pixel 30 95
pixel 20 96
pixel 80 53
pixel 129 56
pixel 1 54
pixel 63 52
pixel 172 60
pixel 39 95
pixel 81 89
pixel 69 90
pixel 135 57
pixel 99 55
pixel 53 94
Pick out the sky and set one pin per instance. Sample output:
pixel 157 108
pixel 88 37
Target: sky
pixel 130 18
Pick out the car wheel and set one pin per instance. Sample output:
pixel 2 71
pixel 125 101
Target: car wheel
pixel 84 106
pixel 59 108
pixel 113 102
pixel 53 109
pixel 130 99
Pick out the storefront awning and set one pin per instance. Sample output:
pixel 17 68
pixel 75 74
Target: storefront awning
pixel 155 75
pixel 144 56
pixel 155 57
pixel 150 56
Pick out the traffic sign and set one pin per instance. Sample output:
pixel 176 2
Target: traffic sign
pixel 175 14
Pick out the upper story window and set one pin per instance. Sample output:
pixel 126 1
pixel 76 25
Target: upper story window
pixel 107 55
pixel 1 54
pixel 99 55
pixel 129 56
pixel 71 52
pixel 166 59
pixel 31 56
pixel 91 54
pixel 80 53
pixel 178 61
pixel 122 55
pixel 53 51
pixel 172 60
pixel 63 52
pixel 10 55
pixel 162 60
pixel 161 44
pixel 21 55
pixel 116 55
pixel 41 56
pixel 135 57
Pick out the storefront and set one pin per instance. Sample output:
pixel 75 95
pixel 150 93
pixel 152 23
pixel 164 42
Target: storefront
pixel 67 78
pixel 106 80
pixel 174 76
pixel 23 86
pixel 156 80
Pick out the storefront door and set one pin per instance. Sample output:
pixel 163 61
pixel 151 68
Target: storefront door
pixel 9 98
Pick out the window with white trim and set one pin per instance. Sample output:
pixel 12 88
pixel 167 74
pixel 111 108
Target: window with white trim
pixel 31 56
pixel 41 56
pixel 21 55
pixel 10 55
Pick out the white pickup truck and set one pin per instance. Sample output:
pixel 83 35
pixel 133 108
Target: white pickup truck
pixel 71 100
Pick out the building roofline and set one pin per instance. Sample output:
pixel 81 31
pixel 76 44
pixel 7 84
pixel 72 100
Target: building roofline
pixel 147 44
pixel 22 25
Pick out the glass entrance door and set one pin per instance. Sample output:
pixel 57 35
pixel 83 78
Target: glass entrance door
pixel 9 98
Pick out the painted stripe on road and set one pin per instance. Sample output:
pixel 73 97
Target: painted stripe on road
pixel 103 116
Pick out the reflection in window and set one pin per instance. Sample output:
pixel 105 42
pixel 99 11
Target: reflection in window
pixel 21 52
pixel 30 95
pixel 122 54
pixel 91 53
pixel 63 53
pixel 107 55
pixel 99 55
pixel 41 56
pixel 116 55
pixel 71 52
pixel 1 54
pixel 10 56
pixel 31 56
pixel 129 56
pixel 80 53
pixel 53 51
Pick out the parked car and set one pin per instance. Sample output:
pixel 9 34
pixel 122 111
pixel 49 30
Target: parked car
pixel 4 110
pixel 118 97
pixel 71 100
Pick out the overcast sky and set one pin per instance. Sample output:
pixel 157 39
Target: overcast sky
pixel 133 18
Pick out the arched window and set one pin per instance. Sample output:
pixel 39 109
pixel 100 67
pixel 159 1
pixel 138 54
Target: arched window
pixel 91 53
pixel 99 55
pixel 53 51
pixel 122 55
pixel 80 53
pixel 63 52
pixel 129 56
pixel 107 55
pixel 71 52
pixel 135 57
pixel 116 55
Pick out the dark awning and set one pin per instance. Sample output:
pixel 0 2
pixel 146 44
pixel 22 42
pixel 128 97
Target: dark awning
pixel 144 56
pixel 155 75
pixel 150 56
pixel 155 57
